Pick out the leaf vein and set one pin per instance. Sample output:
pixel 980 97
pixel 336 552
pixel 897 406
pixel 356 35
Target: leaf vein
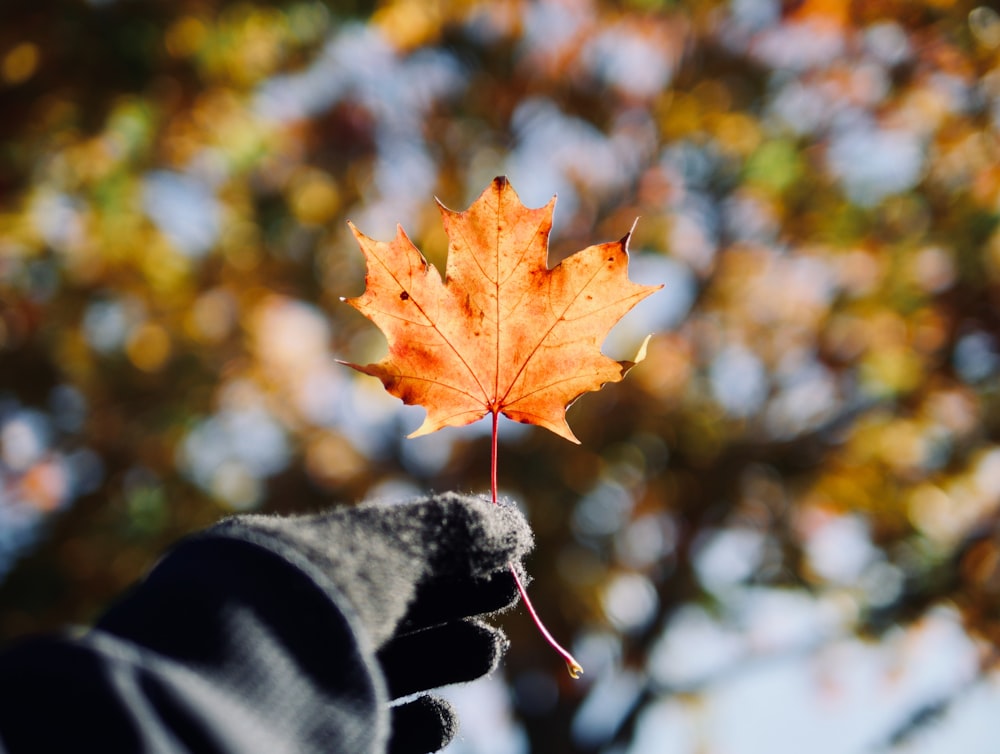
pixel 434 325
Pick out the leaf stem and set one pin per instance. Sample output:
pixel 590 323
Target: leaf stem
pixel 493 458
pixel 574 668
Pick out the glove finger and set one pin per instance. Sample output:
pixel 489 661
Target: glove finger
pixel 424 725
pixel 452 653
pixel 456 535
pixel 447 599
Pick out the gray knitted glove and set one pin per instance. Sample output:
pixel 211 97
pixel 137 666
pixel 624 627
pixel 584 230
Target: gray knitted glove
pixel 415 573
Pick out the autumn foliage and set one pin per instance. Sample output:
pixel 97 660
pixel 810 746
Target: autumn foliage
pixel 815 430
pixel 502 333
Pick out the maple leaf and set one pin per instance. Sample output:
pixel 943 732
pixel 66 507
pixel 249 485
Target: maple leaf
pixel 502 333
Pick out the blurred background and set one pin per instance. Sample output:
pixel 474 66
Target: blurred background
pixel 779 534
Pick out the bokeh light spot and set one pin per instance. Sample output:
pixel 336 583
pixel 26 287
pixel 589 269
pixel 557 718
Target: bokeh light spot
pixel 20 63
pixel 148 347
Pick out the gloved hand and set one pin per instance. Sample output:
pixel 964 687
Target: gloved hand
pixel 415 573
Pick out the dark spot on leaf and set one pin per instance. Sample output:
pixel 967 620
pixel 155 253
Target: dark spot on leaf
pixel 404 296
pixel 611 259
pixel 467 307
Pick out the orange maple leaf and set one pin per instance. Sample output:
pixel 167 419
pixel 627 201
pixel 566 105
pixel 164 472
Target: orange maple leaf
pixel 502 333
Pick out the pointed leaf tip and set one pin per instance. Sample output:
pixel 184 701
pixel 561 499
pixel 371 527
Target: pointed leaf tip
pixel 640 355
pixel 628 236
